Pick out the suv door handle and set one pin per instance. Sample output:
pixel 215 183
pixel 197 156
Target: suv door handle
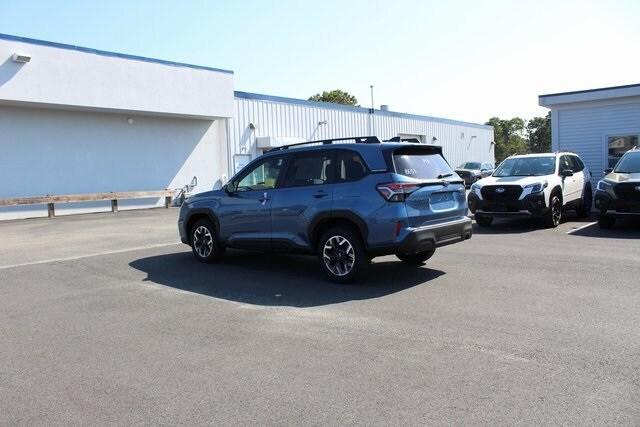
pixel 319 194
pixel 264 198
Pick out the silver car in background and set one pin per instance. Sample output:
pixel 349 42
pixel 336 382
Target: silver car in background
pixel 471 172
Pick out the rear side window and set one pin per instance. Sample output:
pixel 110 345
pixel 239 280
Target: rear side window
pixel 313 168
pixel 349 166
pixel 421 165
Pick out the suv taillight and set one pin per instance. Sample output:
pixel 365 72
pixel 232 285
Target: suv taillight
pixel 396 191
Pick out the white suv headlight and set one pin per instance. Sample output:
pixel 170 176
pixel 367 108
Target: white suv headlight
pixel 604 185
pixel 537 186
pixel 475 189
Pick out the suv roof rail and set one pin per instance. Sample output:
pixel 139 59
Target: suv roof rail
pixel 356 139
pixel 398 139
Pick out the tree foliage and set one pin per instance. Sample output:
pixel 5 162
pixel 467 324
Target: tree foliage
pixel 539 133
pixel 516 136
pixel 509 136
pixel 336 96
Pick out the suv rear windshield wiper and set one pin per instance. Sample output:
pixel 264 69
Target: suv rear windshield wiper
pixel 444 175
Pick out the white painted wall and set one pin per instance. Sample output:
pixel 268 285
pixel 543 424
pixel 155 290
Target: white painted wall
pixel 47 151
pixel 280 118
pixel 584 127
pixel 70 78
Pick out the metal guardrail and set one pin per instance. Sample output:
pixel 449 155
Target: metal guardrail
pixel 51 200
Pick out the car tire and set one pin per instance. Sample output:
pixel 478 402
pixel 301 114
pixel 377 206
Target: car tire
pixel 484 221
pixel 554 215
pixel 584 211
pixel 342 255
pixel 606 221
pixel 416 259
pixel 205 245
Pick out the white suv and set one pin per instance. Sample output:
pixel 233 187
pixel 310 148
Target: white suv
pixel 533 185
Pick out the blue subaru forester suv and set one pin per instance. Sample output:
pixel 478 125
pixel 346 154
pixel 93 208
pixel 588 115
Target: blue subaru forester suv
pixel 345 200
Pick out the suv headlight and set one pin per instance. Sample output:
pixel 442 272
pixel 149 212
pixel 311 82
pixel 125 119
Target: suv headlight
pixel 537 186
pixel 475 189
pixel 604 185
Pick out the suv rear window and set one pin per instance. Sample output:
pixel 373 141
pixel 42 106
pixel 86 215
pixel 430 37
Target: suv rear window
pixel 420 164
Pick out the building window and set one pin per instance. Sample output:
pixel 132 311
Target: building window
pixel 618 145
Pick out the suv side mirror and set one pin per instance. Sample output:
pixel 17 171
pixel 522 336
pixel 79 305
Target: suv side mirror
pixel 566 172
pixel 608 170
pixel 229 188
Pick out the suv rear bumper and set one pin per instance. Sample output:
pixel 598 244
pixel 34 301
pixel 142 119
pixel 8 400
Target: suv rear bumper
pixel 428 237
pixel 531 205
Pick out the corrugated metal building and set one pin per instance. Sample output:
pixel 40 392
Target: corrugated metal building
pixel 599 125
pixel 261 121
pixel 77 120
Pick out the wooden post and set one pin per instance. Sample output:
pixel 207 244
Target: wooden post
pixel 51 210
pixel 167 201
pixel 114 205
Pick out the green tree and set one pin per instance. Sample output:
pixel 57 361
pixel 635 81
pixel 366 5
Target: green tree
pixel 336 96
pixel 509 136
pixel 539 134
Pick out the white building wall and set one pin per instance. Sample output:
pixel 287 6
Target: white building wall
pixel 72 77
pixel 285 118
pixel 584 128
pixel 47 151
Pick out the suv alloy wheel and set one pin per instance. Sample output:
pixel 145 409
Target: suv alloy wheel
pixel 554 216
pixel 204 242
pixel 342 255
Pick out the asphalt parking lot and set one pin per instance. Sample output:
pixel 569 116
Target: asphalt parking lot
pixel 107 319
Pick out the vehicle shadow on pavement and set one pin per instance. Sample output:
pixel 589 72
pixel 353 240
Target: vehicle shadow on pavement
pixel 525 225
pixel 622 230
pixel 277 279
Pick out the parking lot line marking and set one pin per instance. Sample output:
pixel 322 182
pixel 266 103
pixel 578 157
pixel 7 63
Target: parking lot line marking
pixel 95 254
pixel 581 227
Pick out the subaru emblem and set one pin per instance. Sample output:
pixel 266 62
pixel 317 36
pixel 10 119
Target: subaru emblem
pixel 500 190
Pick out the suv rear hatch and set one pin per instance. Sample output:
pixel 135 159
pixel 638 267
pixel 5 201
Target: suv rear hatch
pixel 425 183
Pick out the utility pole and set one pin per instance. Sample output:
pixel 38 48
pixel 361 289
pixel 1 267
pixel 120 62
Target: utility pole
pixel 372 129
pixel 372 104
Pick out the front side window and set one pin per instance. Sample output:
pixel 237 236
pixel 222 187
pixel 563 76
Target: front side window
pixel 618 145
pixel 577 164
pixel 263 177
pixel 566 162
pixel 526 166
pixel 313 168
pixel 630 163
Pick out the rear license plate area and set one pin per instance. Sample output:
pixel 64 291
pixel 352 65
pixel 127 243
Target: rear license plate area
pixel 442 201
